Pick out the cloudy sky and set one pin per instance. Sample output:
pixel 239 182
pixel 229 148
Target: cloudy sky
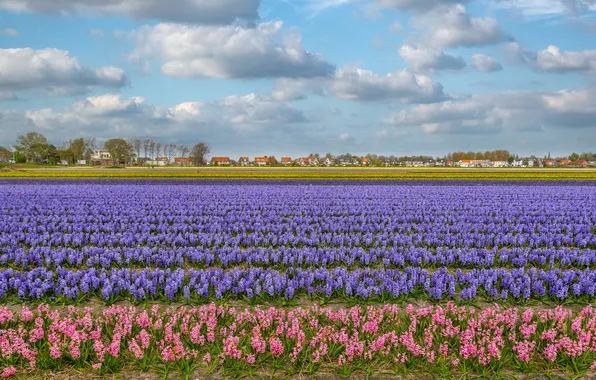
pixel 290 77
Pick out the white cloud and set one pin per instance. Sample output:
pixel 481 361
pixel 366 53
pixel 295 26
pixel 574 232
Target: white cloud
pixel 9 32
pixel 187 11
pixel 553 59
pixel 354 83
pixel 228 51
pixel 357 84
pixel 317 6
pixel 54 70
pixel 453 26
pixel 113 112
pixel 545 7
pixel 257 109
pixel 426 59
pixel 485 64
pixel 514 110
pixel 346 137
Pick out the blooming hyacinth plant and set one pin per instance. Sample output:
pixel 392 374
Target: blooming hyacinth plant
pixel 435 339
pixel 377 242
pixel 292 245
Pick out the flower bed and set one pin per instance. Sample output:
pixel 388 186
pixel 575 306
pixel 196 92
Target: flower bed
pixel 377 339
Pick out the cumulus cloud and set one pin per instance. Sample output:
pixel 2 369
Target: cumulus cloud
pixel 553 59
pixel 357 84
pixel 485 64
pixel 9 32
pixel 491 113
pixel 258 109
pixel 265 50
pixel 115 113
pixel 54 70
pixel 453 26
pixel 250 121
pixel 426 59
pixel 354 83
pixel 187 11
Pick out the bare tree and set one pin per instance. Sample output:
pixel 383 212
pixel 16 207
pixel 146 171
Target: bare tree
pixel 198 153
pixel 152 149
pixel 136 145
pixel 146 147
pixel 158 147
pixel 170 151
pixel 184 150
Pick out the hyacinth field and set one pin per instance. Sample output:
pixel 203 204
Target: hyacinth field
pixel 347 278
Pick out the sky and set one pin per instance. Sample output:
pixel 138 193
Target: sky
pixel 293 77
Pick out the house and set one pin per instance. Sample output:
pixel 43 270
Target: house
pixel 244 161
pixel 183 161
pixel 308 161
pixel 346 162
pixel 366 161
pixel 101 158
pixel 220 161
pixel 564 162
pixel 286 161
pixel 550 162
pixel 499 164
pixel 328 162
pixel 263 161
pixel 579 164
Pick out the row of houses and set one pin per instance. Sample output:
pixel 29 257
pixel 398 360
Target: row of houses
pixel 103 158
pixel 366 161
pixel 288 161
pixel 522 162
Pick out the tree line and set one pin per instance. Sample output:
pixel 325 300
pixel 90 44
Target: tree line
pixel 33 147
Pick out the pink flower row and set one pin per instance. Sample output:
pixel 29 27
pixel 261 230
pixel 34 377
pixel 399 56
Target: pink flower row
pixel 374 339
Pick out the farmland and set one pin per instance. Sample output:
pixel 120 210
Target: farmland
pixel 411 277
pixel 255 173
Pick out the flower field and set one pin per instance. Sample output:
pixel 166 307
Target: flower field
pixel 364 174
pixel 320 276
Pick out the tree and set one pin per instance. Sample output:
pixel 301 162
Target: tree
pixel 4 154
pixel 78 148
pixel 34 146
pixel 90 146
pixel 198 153
pixel 510 160
pixel 574 157
pixel 119 149
pixel 136 145
pixel 146 147
pixel 184 150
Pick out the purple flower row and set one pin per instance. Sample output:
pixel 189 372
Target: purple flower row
pixel 229 257
pixel 492 284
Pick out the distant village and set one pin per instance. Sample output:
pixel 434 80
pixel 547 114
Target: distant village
pixel 35 148
pixel 102 158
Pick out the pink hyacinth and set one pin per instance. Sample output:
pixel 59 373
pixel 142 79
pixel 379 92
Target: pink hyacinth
pixel 8 372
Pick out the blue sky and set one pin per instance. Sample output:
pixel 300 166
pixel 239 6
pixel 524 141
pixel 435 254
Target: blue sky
pixel 291 77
